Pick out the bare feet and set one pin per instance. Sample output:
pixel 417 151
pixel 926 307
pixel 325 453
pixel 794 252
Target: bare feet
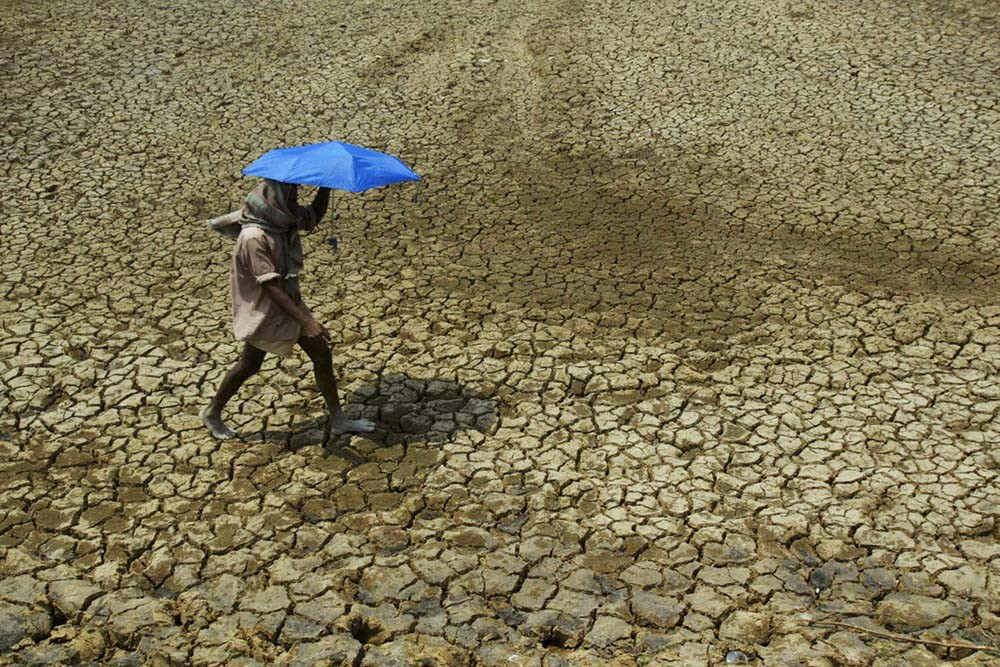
pixel 216 426
pixel 339 423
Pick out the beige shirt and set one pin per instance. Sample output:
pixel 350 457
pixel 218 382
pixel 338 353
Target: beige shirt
pixel 257 318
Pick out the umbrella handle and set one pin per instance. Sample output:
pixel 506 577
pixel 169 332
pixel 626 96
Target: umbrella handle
pixel 332 241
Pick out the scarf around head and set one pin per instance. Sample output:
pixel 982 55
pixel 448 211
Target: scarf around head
pixel 267 208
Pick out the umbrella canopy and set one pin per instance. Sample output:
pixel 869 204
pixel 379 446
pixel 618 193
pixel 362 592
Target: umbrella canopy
pixel 334 164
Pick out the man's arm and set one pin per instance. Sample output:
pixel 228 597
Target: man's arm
pixel 320 203
pixel 310 327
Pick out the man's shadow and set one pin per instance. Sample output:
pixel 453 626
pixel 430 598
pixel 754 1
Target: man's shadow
pixel 405 410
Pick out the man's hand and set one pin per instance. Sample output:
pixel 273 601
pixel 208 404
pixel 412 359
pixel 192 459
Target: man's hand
pixel 312 329
pixel 320 203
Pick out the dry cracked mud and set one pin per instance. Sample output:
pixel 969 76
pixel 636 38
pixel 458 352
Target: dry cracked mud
pixel 687 341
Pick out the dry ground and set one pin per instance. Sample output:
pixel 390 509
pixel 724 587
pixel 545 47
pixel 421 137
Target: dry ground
pixel 688 339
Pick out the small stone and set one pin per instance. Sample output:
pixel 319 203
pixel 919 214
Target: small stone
pixel 471 538
pixel 324 609
pixel 746 627
pixel 533 595
pixel 607 630
pixel 980 550
pixel 415 650
pixel 918 656
pixel 297 629
pixel 273 598
pixel 966 581
pixel 688 439
pixel 820 579
pixel 46 654
pixel 220 593
pixel 878 579
pixel 792 421
pixel 71 596
pixel 554 628
pixel 644 574
pixel 13 629
pixel 655 610
pixel 851 650
pixel 574 603
pixel 848 476
pixel 23 589
pixel 913 611
pixel 129 617
pixel 706 601
pixel 338 650
pixel 386 583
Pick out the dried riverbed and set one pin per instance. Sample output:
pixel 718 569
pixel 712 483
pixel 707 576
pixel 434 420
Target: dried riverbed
pixel 688 339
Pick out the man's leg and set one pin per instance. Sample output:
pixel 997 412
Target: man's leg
pixel 249 363
pixel 319 352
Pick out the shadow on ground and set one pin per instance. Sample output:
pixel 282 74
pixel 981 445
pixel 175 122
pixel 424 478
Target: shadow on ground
pixel 414 410
pixel 406 410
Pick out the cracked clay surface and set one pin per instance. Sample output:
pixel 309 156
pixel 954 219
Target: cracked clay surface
pixel 688 340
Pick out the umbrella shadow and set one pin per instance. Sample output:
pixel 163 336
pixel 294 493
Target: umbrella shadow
pixel 406 410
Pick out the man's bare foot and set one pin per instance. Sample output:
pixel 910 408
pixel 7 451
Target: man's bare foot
pixel 341 424
pixel 216 425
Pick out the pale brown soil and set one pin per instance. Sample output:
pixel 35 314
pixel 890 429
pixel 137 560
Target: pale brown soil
pixel 688 339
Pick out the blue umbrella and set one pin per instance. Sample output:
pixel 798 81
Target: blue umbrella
pixel 334 164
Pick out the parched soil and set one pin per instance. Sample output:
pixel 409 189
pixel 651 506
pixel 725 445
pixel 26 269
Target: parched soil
pixel 687 343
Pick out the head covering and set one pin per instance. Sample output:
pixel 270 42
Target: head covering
pixel 267 207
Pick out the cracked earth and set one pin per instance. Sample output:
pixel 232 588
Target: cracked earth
pixel 687 342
